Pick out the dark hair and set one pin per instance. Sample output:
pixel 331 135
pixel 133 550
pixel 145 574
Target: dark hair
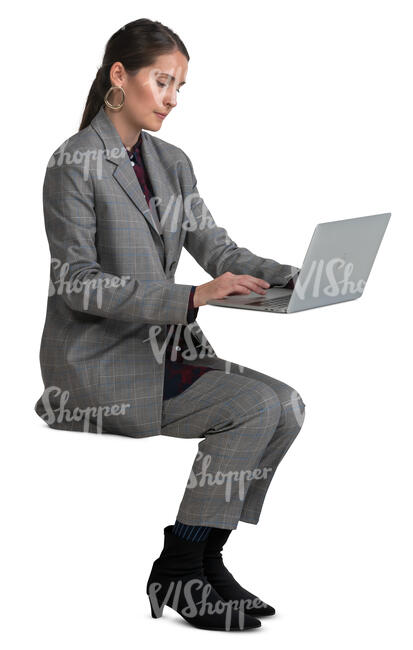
pixel 136 45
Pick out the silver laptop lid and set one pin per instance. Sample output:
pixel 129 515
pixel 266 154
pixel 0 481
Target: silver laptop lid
pixel 338 261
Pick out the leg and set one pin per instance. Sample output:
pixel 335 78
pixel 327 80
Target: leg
pixel 237 416
pixel 285 426
pixel 287 429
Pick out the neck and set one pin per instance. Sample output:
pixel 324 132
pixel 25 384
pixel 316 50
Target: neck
pixel 128 133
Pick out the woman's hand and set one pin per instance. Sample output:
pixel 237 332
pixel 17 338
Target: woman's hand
pixel 227 284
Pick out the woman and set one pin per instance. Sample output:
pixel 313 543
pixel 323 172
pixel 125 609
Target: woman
pixel 121 351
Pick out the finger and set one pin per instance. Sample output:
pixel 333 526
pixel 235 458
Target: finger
pixel 260 281
pixel 239 288
pixel 251 283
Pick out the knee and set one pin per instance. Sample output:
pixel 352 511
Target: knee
pixel 268 402
pixel 294 410
pixel 299 400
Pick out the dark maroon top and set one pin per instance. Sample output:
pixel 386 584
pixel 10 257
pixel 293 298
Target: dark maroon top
pixel 179 374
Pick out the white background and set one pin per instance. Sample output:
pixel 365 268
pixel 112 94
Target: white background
pixel 293 113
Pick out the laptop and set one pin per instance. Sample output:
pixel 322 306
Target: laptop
pixel 336 268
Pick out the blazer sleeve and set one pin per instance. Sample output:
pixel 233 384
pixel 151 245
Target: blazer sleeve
pixel 216 252
pixel 192 311
pixel 70 222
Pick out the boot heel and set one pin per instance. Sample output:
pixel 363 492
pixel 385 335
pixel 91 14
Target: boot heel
pixel 156 613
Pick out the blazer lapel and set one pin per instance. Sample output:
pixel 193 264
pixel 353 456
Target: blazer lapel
pixel 123 171
pixel 169 207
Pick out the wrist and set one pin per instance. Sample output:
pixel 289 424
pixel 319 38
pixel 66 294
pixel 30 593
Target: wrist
pixel 196 298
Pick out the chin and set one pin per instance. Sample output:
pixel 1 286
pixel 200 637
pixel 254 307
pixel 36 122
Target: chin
pixel 153 124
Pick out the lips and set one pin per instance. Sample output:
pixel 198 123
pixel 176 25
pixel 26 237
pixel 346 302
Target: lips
pixel 161 114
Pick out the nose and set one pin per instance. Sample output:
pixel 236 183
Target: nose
pixel 170 97
pixel 171 102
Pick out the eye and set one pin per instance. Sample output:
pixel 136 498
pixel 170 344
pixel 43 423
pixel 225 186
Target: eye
pixel 163 85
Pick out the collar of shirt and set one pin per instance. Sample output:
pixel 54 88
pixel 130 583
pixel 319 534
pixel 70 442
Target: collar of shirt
pixel 135 151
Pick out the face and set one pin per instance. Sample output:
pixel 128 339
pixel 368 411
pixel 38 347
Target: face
pixel 151 92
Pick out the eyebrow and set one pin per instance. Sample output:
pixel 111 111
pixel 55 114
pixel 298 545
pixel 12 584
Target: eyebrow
pixel 171 77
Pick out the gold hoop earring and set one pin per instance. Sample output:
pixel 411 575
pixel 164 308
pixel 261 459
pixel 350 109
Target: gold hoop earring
pixel 107 102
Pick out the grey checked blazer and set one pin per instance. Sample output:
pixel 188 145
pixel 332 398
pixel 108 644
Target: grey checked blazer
pixel 112 295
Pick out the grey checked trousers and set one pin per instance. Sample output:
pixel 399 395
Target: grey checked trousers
pixel 248 421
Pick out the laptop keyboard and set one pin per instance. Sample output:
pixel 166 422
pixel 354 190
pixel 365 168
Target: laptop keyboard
pixel 272 302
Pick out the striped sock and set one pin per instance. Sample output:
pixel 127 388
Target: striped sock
pixel 191 533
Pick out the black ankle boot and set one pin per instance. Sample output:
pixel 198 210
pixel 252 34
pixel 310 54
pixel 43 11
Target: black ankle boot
pixel 224 582
pixel 177 579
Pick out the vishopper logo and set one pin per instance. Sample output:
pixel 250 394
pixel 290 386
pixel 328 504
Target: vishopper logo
pixel 203 477
pixel 159 88
pixel 197 216
pixel 191 599
pixel 315 276
pixel 174 207
pixel 82 285
pixel 62 414
pixel 196 221
pixel 84 157
pixel 190 354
